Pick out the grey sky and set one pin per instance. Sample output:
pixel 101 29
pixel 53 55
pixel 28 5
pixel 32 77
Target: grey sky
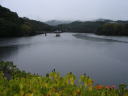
pixel 69 9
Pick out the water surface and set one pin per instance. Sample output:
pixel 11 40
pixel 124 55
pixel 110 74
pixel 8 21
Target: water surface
pixel 105 59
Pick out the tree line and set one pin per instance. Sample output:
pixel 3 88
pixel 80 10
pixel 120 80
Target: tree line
pixel 11 25
pixel 100 27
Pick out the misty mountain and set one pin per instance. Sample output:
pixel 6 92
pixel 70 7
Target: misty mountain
pixel 57 22
pixel 79 26
pixel 100 27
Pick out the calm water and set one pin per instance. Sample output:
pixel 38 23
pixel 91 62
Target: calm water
pixel 105 59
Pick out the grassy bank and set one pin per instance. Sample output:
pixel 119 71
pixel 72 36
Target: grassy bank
pixel 14 82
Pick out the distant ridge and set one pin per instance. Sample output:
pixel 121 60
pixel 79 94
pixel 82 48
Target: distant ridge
pixel 99 27
pixel 57 22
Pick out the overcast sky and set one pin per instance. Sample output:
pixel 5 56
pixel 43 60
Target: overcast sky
pixel 69 9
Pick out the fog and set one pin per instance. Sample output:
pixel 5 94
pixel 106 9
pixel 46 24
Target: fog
pixel 69 9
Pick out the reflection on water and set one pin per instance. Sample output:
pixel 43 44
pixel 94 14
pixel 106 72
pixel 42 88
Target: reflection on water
pixel 102 58
pixel 6 52
pixel 99 38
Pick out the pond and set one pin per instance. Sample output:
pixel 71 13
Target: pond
pixel 105 59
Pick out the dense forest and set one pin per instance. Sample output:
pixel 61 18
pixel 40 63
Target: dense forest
pixel 85 27
pixel 100 27
pixel 11 25
pixel 113 29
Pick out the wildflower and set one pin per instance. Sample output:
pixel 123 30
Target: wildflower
pixel 113 86
pixel 99 87
pixel 108 87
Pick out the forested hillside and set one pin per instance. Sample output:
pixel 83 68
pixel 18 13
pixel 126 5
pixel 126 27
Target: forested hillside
pixel 113 29
pixel 11 25
pixel 85 27
pixel 100 27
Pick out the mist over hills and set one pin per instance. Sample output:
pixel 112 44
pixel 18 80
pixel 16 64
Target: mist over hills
pixel 99 27
pixel 57 22
pixel 11 25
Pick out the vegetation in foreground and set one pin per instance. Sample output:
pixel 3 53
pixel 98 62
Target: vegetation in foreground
pixel 53 84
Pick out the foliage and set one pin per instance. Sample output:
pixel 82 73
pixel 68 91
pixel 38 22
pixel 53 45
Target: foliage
pixel 11 25
pixel 105 27
pixel 84 27
pixel 53 84
pixel 118 29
